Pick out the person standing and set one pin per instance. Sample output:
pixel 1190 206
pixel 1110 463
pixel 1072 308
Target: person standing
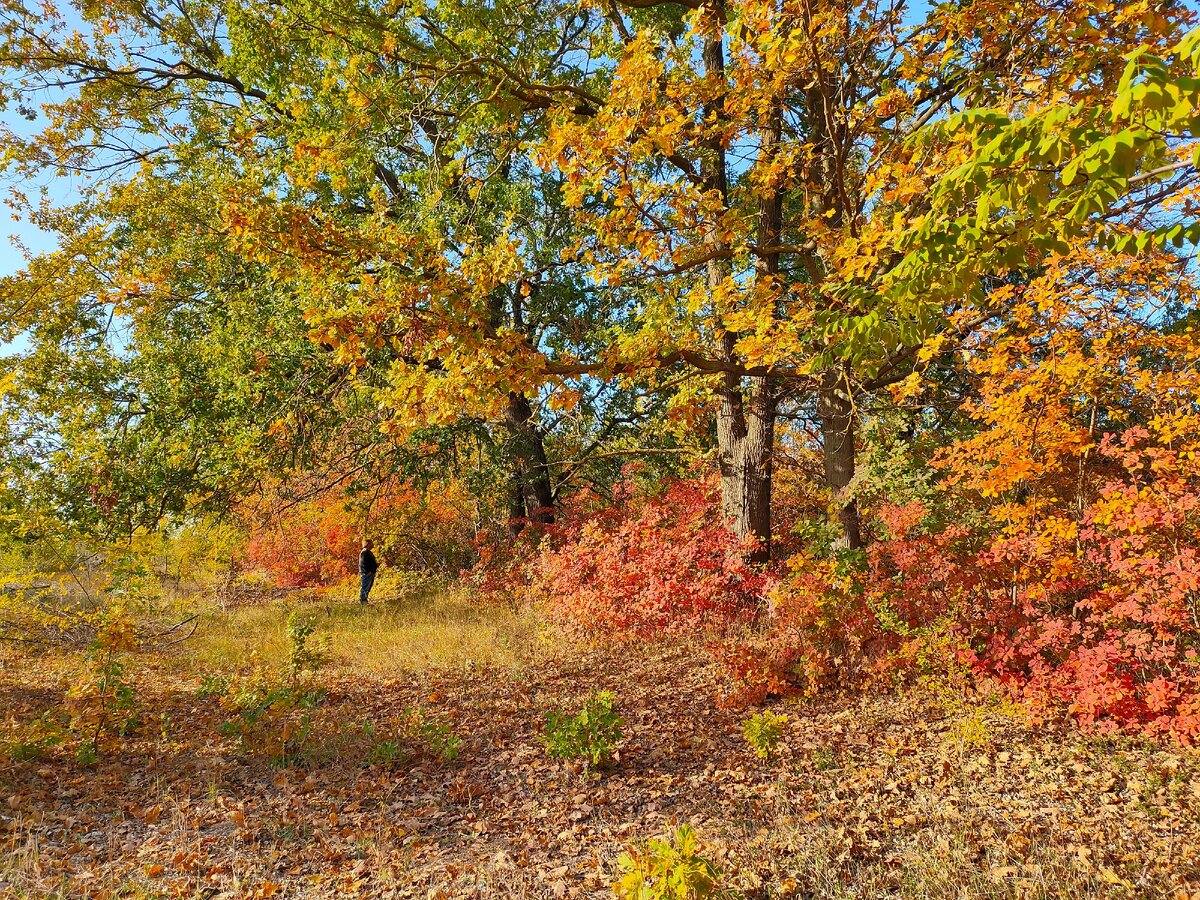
pixel 367 567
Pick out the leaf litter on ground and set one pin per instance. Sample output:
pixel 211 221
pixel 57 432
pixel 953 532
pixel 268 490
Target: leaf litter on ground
pixel 901 795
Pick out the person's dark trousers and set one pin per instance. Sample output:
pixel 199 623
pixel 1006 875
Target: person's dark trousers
pixel 368 579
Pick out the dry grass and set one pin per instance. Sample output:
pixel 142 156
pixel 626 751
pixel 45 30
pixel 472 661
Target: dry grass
pixel 401 631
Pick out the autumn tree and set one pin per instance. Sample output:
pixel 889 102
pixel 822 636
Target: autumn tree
pixel 254 183
pixel 810 216
pixel 793 203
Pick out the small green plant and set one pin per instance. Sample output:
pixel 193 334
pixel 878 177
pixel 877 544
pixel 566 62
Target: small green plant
pixel 972 731
pixel 592 734
pixel 824 759
pixel 762 731
pixel 272 710
pixel 273 718
pixel 26 751
pixel 977 721
pixel 212 687
pixel 24 743
pixel 103 701
pixel 389 754
pixel 672 869
pixel 305 655
pixel 437 737
pixel 420 733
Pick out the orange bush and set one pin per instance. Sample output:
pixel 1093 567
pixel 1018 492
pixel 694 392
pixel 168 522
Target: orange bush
pixel 316 542
pixel 305 545
pixel 649 564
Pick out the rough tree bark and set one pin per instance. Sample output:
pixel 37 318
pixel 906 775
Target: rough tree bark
pixel 835 408
pixel 746 445
pixel 532 496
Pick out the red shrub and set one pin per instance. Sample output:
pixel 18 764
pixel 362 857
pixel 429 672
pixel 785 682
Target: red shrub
pixel 1102 615
pixel 649 564
pixel 1059 556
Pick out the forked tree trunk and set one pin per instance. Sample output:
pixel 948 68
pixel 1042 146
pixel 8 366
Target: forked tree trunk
pixel 746 444
pixel 835 408
pixel 746 414
pixel 532 496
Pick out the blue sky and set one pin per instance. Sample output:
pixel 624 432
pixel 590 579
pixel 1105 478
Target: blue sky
pixel 18 230
pixel 15 231
pixel 58 188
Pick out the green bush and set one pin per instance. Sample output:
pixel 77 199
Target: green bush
pixel 592 734
pixel 672 869
pixel 762 731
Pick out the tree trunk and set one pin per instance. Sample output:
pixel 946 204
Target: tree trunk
pixel 835 407
pixel 746 444
pixel 532 491
pixel 517 513
pixel 746 414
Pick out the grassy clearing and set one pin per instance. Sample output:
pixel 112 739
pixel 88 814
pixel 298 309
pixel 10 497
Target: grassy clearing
pixel 926 793
pixel 431 627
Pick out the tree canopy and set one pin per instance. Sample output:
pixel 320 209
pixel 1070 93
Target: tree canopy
pixel 307 232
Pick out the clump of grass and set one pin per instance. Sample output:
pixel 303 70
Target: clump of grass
pixel 437 628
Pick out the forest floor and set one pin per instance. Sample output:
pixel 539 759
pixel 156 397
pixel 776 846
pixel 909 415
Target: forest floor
pixel 915 794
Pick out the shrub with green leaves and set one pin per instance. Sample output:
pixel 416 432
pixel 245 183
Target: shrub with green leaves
pixel 591 734
pixel 671 869
pixel 305 655
pixel 421 733
pixel 763 731
pixel 271 711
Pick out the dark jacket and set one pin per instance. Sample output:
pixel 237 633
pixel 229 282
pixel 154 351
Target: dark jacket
pixel 366 563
